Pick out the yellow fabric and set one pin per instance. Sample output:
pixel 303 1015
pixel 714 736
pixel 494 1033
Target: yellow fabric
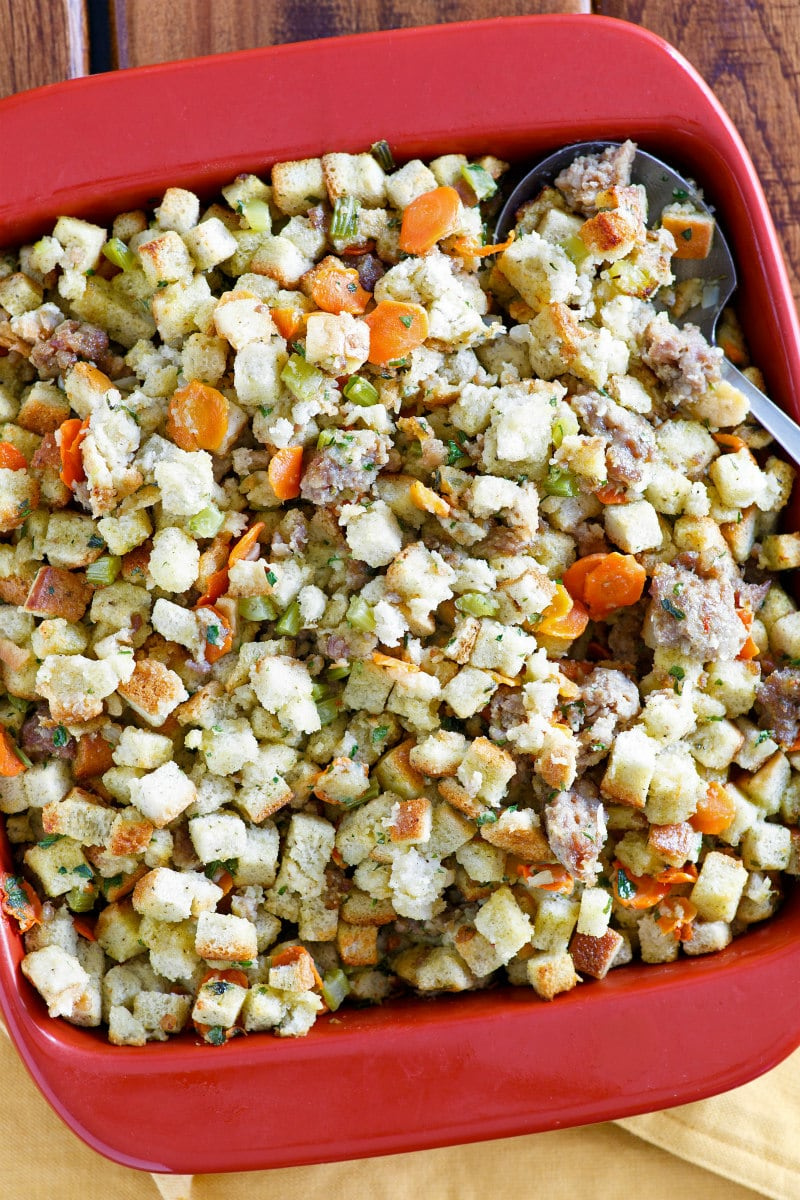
pixel 733 1147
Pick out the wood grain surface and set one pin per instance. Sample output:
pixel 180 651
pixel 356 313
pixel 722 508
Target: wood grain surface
pixel 41 43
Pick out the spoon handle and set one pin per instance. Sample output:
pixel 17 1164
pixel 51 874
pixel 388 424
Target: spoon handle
pixel 785 431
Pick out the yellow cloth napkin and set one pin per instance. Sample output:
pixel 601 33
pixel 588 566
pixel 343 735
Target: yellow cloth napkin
pixel 733 1147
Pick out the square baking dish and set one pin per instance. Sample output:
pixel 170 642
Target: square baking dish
pixel 415 1073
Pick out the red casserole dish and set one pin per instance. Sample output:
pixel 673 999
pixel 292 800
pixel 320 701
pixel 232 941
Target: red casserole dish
pixel 416 1073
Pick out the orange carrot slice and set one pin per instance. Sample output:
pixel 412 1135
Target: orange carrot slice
pixel 730 440
pixel 246 546
pixel 216 586
pixel 198 417
pixel 19 900
pixel 395 330
pixel 10 763
pixel 616 582
pixel 714 812
pixel 564 617
pixel 71 435
pixel 288 321
pixel 469 248
pixel 637 891
pixel 337 289
pixel 612 494
pixel 11 458
pixel 428 219
pixel 218 634
pixel 285 471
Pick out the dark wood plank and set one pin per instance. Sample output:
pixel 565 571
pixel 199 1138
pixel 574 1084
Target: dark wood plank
pixel 41 41
pixel 215 26
pixel 750 55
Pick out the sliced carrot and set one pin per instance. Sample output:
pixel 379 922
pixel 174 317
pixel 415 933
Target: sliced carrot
pixel 71 434
pixel 337 289
pixel 228 974
pixel 469 248
pixel 198 417
pixel 294 954
pixel 246 546
pixel 676 914
pixel 685 874
pixel 560 879
pixel 216 586
pixel 12 459
pixel 749 650
pixel 564 617
pixel 714 812
pixel 395 330
pixel 730 440
pixel 646 893
pixel 288 321
pixel 617 582
pixel 10 762
pixel 19 900
pixel 218 635
pixel 431 217
pixel 574 578
pixel 285 471
pixel 84 928
pixel 612 494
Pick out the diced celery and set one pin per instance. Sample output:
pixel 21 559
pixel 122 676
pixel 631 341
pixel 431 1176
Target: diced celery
pixel 335 987
pixel 382 154
pixel 360 615
pixel 301 378
pixel 360 391
pixel 257 215
pixel 321 691
pixel 290 622
pixel 326 438
pixel 565 425
pixel 81 899
pixel 119 254
pixel 335 673
pixel 560 482
pixel 207 523
pixel 575 249
pixel 328 710
pixel 476 604
pixel 104 571
pixel 257 608
pixel 344 222
pixel 479 180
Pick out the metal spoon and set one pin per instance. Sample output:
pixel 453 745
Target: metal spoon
pixel 663 187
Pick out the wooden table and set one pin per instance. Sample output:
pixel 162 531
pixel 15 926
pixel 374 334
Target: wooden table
pixel 748 50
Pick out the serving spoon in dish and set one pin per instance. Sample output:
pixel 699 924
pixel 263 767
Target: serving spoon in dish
pixel 665 186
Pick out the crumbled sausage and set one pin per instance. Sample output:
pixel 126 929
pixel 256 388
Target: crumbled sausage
pixel 610 703
pixel 592 173
pixel 778 704
pixel 345 466
pixel 631 441
pixel 693 615
pixel 576 831
pixel 682 359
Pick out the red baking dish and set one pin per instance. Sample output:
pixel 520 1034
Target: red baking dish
pixel 416 1073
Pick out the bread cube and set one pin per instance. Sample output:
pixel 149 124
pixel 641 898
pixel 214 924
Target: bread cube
pixel 78 816
pixel 630 769
pixel 675 788
pixel 258 862
pixel 58 867
pixel 478 953
pixel 130 834
pixel 486 770
pixel 357 175
pixel 307 851
pixel 674 843
pixel 769 783
pixel 225 938
pixel 433 969
pixel 141 749
pixel 297 185
pixel 359 831
pixel 210 243
pixel 503 923
pixel 719 887
pixel 179 210
pixel 551 974
pixel 595 912
pixel 171 947
pixel 595 956
pixel 439 754
pixel 153 691
pixel 117 931
pixel 163 794
pixel 167 895
pixel 555 921
pixel 482 862
pixel 218 837
pixel 708 937
pixel 469 691
pixel 318 923
pixel 633 527
pixel 357 944
pixel 656 946
pixel 766 847
pixel 218 1003
pixel 124 1029
pixel 58 977
pixel 716 744
pixel 519 833
pixel 411 821
pixel 784 635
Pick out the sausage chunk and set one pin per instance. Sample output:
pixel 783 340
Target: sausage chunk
pixel 576 831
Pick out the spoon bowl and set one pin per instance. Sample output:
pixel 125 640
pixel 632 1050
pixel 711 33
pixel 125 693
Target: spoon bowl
pixel 665 186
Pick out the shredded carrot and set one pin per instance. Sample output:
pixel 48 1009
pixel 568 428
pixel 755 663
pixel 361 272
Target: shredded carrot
pixel 10 762
pixel 714 812
pixel 337 289
pixel 549 877
pixel 198 417
pixel 612 494
pixel 749 650
pixel 216 586
pixel 386 660
pixel 285 471
pixel 425 499
pixel 676 914
pixel 647 891
pixel 395 330
pixel 605 582
pixel 730 440
pixel 71 434
pixel 469 248
pixel 685 874
pixel 12 459
pixel 288 321
pixel 246 547
pixel 126 884
pixel 428 219
pixel 18 900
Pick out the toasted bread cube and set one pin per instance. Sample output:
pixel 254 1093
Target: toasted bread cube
pixel 58 867
pixel 167 895
pixel 478 953
pixel 297 185
pixel 263 1008
pixel 82 243
pixel 716 744
pixel 411 821
pixel 161 1013
pixel 58 977
pixel 306 854
pixel 80 817
pixel 218 836
pixel 738 479
pixel 555 921
pixel 317 922
pixel 359 908
pixel 503 923
pixel 165 259
pixel 43 409
pixel 595 912
pixel 279 259
pixel 485 771
pixel 227 938
pixel 153 691
pixel 219 1002
pixel 708 937
pixel 19 293
pixel 595 955
pixel 460 799
pixel 361 830
pixel 258 863
pixel 745 817
pixel 171 947
pixel 357 944
pixel 693 231
pixel 396 773
pixel 117 931
pixel 769 783
pixel 179 210
pixel 633 527
pixel 439 754
pixel 551 974
pixel 766 847
pixel 124 533
pixel 758 746
pixel 779 552
pixel 130 834
pixel 630 768
pixel 124 1029
pixel 520 833
pixel 674 789
pixel 357 175
pixel 482 862
pixel 142 749
pixel 719 887
pixel 210 243
pixel 656 946
pixel 433 969
pixel 469 691
pixel 449 831
pixel 674 843
pixel 163 794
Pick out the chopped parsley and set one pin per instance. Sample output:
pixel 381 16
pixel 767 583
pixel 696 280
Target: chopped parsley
pixel 673 609
pixel 625 887
pixel 678 674
pixel 764 736
pixel 60 736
